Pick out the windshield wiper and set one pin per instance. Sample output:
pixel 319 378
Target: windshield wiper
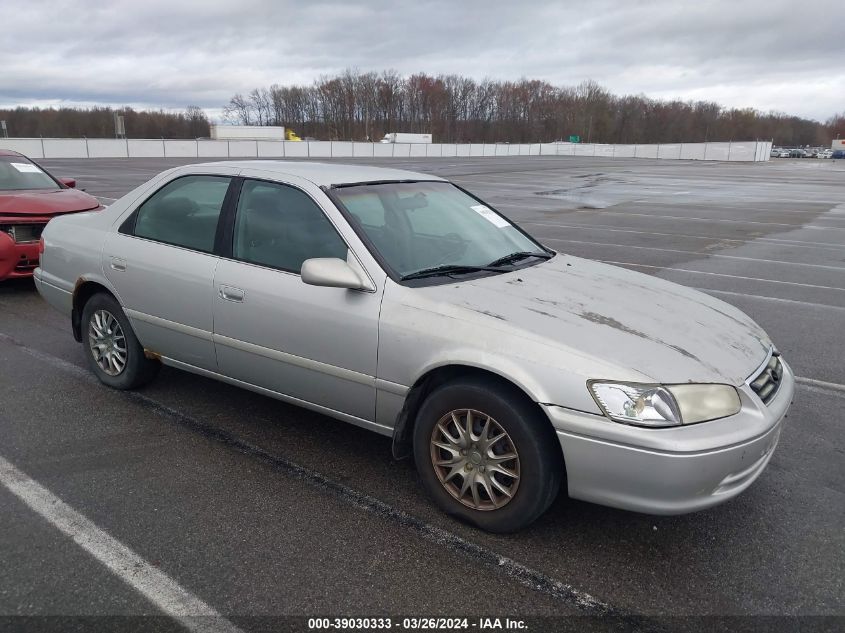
pixel 449 269
pixel 513 257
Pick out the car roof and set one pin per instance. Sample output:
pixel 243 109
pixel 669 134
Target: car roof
pixel 9 152
pixel 327 174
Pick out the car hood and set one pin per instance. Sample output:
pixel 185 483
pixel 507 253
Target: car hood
pixel 45 202
pixel 641 324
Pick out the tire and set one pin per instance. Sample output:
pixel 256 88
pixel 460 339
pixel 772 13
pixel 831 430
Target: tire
pixel 102 313
pixel 528 435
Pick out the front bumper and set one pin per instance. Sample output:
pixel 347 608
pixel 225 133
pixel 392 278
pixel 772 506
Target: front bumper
pixel 17 260
pixel 670 470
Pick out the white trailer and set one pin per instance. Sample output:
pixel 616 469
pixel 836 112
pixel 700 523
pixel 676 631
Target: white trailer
pixel 248 132
pixel 404 137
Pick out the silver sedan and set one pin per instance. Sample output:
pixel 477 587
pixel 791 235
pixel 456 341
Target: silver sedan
pixel 401 303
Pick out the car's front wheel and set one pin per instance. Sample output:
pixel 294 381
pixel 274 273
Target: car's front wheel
pixel 112 350
pixel 486 455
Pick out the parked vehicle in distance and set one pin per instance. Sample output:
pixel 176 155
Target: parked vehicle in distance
pixel 825 153
pixel 839 153
pixel 775 152
pixel 796 152
pixel 252 133
pixel 401 303
pixel 404 137
pixel 29 197
pixel 784 153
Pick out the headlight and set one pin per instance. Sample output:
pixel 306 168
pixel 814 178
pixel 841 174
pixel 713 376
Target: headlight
pixel 664 405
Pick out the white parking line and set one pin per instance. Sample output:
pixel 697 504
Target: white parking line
pixel 755 240
pixel 692 219
pixel 748 295
pixel 164 592
pixel 699 254
pixel 821 384
pixel 704 272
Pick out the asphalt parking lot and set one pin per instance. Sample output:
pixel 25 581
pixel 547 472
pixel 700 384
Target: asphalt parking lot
pixel 258 508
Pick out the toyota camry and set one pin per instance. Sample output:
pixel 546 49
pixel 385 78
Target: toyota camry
pixel 401 303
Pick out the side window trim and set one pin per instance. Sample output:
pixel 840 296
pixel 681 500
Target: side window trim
pixel 127 227
pixel 227 251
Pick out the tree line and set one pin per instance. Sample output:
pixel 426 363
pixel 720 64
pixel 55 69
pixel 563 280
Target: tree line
pixel 366 105
pixel 98 122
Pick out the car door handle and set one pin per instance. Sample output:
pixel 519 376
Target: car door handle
pixel 228 293
pixel 118 264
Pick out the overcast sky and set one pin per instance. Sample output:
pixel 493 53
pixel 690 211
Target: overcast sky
pixel 783 55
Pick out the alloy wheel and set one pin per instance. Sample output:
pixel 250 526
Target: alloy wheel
pixel 107 342
pixel 475 459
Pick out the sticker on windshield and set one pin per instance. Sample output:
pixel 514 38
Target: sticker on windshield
pixel 26 168
pixel 488 214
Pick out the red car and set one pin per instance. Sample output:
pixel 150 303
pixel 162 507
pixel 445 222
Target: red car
pixel 29 197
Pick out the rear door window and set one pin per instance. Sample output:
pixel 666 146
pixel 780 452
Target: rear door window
pixel 184 212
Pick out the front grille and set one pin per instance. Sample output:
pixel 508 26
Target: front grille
pixel 23 233
pixel 26 265
pixel 766 383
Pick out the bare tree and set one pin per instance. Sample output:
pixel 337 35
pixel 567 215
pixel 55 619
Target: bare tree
pixel 198 124
pixel 239 110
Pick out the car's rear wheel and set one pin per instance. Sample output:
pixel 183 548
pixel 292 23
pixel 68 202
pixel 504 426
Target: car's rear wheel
pixel 112 350
pixel 486 455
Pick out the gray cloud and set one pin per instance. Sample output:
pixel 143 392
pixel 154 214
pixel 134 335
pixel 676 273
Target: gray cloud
pixel 768 54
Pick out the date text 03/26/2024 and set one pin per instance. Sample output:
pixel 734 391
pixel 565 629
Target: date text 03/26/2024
pixel 416 624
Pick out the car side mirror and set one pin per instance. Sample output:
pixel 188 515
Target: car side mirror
pixel 330 272
pixel 68 182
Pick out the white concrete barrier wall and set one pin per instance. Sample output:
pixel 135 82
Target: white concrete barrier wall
pixel 243 149
pixel 363 150
pixel 297 150
pixel 320 149
pixel 694 151
pixel 31 147
pixel 340 149
pixel 270 149
pixel 169 148
pixel 180 149
pixel 212 149
pixel 145 148
pixel 65 148
pixel 107 148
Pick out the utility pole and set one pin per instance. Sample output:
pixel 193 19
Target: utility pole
pixel 5 129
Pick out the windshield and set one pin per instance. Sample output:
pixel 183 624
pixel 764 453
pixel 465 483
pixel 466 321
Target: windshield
pixel 417 226
pixel 17 172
